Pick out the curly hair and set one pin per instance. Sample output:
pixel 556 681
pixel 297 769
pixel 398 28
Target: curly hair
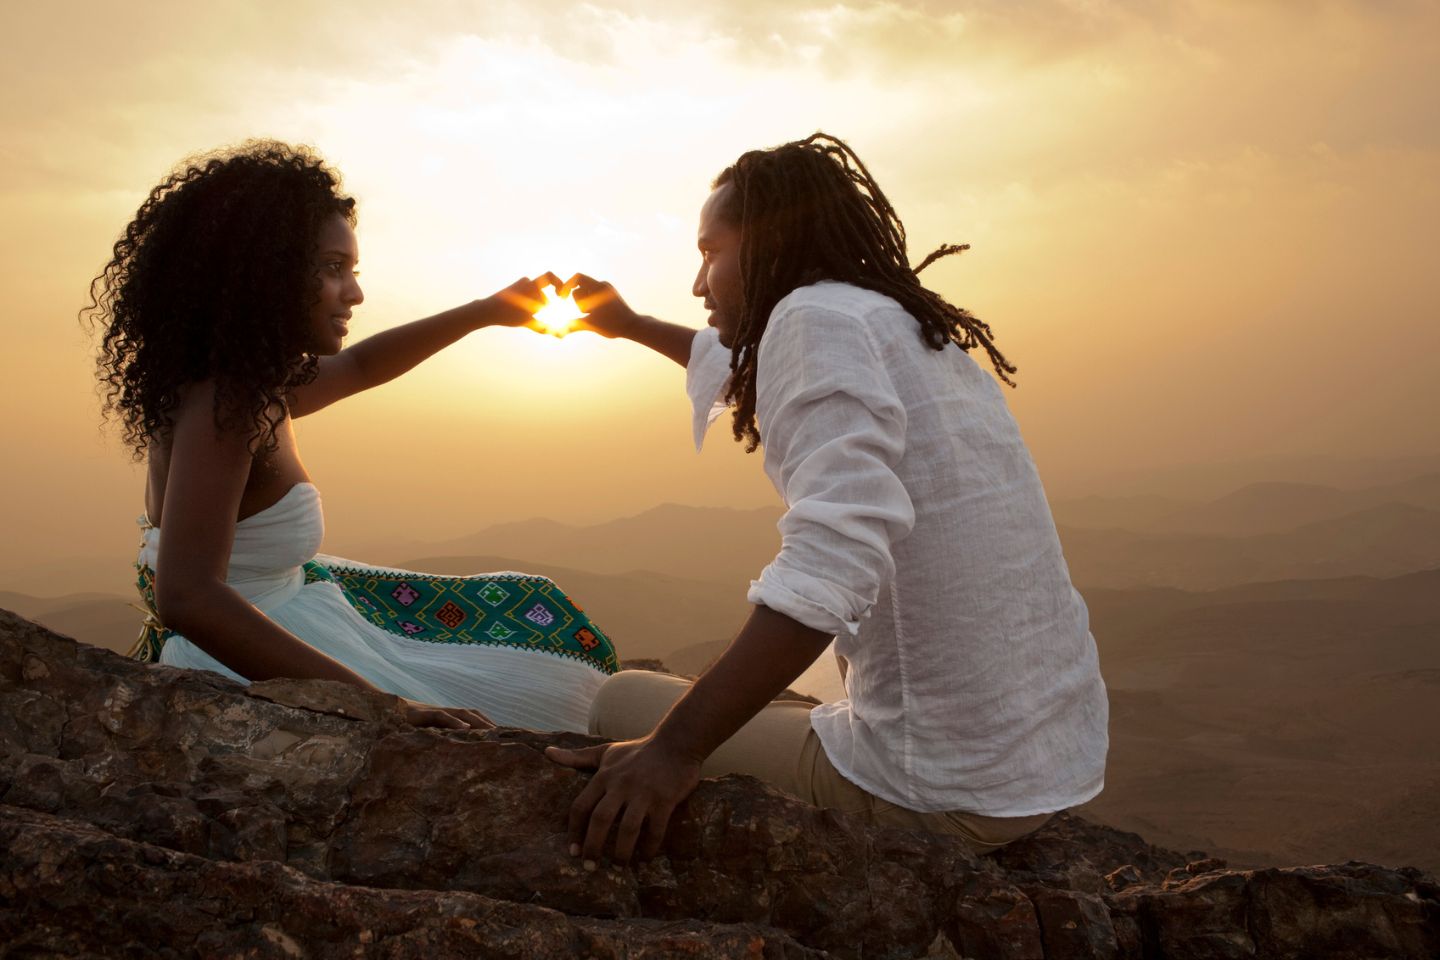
pixel 809 211
pixel 214 280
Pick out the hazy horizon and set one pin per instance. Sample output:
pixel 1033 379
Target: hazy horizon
pixel 1201 231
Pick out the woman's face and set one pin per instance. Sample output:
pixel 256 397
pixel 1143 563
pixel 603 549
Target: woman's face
pixel 339 287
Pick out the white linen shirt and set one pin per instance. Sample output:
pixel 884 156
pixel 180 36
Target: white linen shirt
pixel 917 532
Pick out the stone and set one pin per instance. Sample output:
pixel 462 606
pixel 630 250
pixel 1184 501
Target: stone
pixel 1122 877
pixel 1074 924
pixel 151 811
pixel 71 889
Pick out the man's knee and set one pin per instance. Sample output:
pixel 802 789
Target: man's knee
pixel 630 703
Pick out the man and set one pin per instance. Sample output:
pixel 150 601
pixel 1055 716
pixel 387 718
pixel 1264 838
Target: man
pixel 917 536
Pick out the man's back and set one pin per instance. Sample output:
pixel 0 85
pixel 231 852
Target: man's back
pixel 918 532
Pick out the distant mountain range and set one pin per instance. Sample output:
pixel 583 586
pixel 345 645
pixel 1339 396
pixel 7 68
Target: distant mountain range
pixel 1251 510
pixel 1260 532
pixel 1206 481
pixel 101 619
pixel 699 543
pixel 1385 540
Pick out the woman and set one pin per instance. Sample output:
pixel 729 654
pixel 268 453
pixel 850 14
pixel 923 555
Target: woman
pixel 224 311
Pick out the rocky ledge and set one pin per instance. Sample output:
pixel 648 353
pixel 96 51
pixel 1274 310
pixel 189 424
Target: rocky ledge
pixel 146 811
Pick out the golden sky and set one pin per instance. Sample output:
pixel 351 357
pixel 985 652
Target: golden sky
pixel 1204 231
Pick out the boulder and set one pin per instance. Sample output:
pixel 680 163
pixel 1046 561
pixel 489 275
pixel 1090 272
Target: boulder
pixel 146 810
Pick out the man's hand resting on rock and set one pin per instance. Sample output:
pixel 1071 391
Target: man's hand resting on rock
pixel 637 785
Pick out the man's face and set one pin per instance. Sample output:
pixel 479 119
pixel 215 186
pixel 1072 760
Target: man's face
pixel 718 281
pixel 339 289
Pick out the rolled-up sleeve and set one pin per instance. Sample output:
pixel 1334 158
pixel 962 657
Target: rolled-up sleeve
pixel 833 429
pixel 706 377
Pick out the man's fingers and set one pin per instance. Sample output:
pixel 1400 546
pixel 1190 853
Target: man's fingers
pixel 582 808
pixel 548 279
pixel 584 804
pixel 602 817
pixel 586 758
pixel 655 826
pixel 628 832
pixel 594 298
pixel 575 280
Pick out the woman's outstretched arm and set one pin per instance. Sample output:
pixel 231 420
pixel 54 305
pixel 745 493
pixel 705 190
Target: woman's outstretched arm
pixel 386 355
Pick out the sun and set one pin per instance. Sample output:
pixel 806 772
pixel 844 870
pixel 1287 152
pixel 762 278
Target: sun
pixel 557 317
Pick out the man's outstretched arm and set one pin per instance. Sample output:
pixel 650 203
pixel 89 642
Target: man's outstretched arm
pixel 639 783
pixel 607 314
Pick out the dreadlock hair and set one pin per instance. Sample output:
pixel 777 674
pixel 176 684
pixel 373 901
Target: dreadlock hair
pixel 809 211
pixel 214 278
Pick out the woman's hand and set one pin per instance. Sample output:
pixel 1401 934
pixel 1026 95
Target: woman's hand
pixel 515 306
pixel 606 312
pixel 454 718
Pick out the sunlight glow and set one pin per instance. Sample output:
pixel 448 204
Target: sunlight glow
pixel 559 314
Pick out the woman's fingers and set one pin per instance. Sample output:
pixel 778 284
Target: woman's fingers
pixel 524 294
pixel 423 716
pixel 474 719
pixel 451 718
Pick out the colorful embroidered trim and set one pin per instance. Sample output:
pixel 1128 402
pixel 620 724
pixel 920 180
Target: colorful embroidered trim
pixel 505 609
pixel 508 609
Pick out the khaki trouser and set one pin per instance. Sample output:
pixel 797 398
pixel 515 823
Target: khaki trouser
pixel 779 745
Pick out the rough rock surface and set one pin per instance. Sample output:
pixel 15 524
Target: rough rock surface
pixel 151 811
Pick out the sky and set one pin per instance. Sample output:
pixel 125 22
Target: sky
pixel 1204 231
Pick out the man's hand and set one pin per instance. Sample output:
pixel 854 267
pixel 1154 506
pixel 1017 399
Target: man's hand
pixel 637 784
pixel 606 312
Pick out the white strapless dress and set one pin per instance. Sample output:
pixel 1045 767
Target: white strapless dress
pixel 508 644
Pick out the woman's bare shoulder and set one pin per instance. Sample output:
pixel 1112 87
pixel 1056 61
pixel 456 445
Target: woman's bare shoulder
pixel 202 442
